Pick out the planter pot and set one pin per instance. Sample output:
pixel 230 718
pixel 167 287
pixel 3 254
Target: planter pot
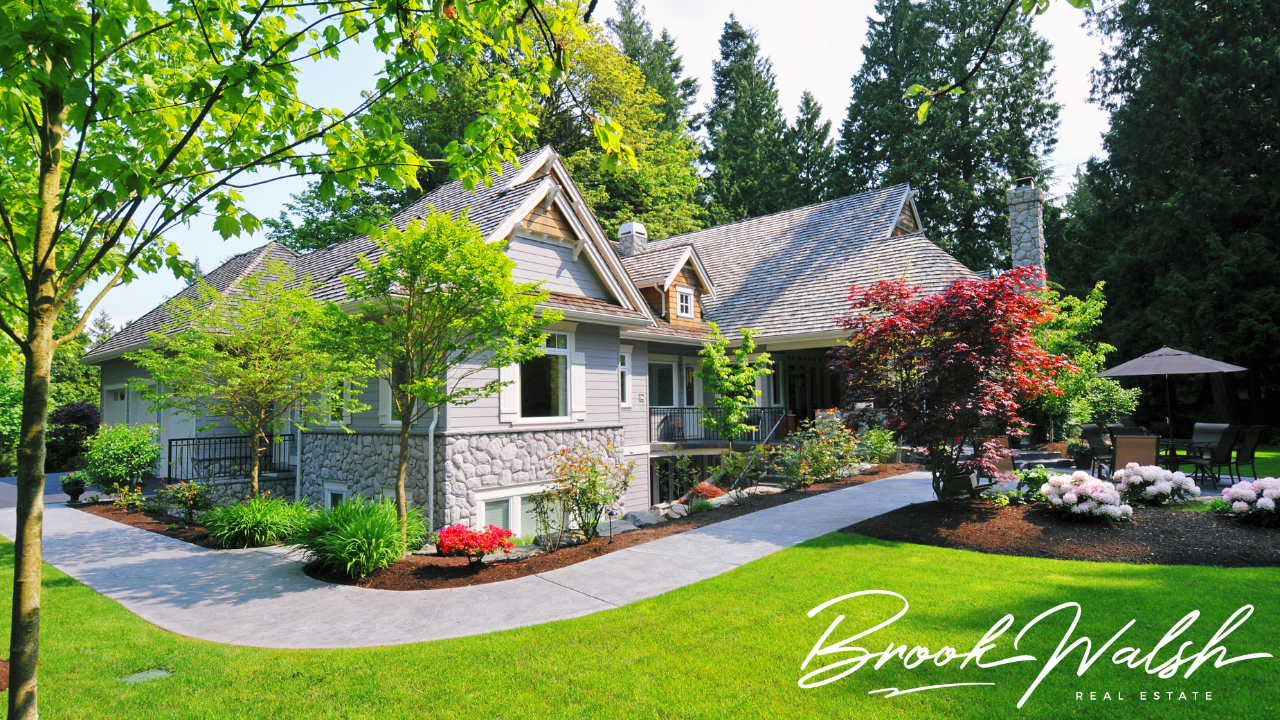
pixel 74 491
pixel 1084 462
pixel 958 485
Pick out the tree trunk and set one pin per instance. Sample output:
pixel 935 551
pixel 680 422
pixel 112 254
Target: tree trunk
pixel 402 471
pixel 42 314
pixel 255 460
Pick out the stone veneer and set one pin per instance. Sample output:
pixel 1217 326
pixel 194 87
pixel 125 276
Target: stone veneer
pixel 465 462
pixel 1026 224
pixel 235 490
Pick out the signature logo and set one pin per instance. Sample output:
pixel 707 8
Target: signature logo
pixel 853 658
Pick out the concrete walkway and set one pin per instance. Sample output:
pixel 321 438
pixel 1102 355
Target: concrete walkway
pixel 262 598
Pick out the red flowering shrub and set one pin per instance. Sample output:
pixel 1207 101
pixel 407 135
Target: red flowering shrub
pixel 706 491
pixel 475 544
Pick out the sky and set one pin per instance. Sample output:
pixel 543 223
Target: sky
pixel 818 50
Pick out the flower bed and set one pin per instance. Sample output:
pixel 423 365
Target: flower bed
pixel 1082 495
pixel 1151 485
pixel 1253 502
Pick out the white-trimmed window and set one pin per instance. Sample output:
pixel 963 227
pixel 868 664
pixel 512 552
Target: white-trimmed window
pixel 386 399
pixel 684 302
pixel 662 384
pixel 544 381
pixel 692 384
pixel 334 495
pixel 512 512
pixel 624 379
pixel 338 414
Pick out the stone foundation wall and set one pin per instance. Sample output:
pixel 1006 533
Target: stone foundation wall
pixel 465 463
pixel 480 461
pixel 364 464
pixel 238 489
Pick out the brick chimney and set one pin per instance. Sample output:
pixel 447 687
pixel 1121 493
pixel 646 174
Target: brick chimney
pixel 633 239
pixel 1026 223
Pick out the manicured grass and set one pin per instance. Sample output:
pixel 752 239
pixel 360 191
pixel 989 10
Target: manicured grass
pixel 1268 463
pixel 729 647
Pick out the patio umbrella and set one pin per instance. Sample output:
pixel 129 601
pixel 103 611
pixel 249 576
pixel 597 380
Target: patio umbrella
pixel 1166 361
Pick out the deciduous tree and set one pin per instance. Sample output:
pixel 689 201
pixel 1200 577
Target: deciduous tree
pixel 731 378
pixel 261 356
pixel 948 367
pixel 120 120
pixel 439 307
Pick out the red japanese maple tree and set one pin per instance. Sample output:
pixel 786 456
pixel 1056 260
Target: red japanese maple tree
pixel 948 367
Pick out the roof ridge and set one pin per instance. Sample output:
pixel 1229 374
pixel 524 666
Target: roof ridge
pixel 668 240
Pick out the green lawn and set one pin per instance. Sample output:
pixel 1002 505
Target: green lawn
pixel 730 647
pixel 1268 462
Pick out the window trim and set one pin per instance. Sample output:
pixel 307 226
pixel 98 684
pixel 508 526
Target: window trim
pixel 511 494
pixel 329 489
pixel 346 414
pixel 675 388
pixel 570 353
pixel 681 293
pixel 626 368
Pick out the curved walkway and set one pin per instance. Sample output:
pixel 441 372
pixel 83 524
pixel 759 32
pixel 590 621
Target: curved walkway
pixel 262 598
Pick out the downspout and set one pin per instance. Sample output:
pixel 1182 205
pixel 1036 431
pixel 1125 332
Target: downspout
pixel 297 472
pixel 431 468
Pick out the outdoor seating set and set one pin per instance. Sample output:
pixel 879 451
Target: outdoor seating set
pixel 1211 447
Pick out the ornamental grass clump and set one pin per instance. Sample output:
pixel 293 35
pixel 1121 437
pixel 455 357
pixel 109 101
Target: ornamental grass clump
pixel 460 540
pixel 1253 502
pixel 1081 495
pixel 359 537
pixel 1151 485
pixel 256 522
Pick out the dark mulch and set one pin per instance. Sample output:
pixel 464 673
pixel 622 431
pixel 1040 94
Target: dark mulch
pixel 1163 537
pixel 4 674
pixel 161 524
pixel 427 572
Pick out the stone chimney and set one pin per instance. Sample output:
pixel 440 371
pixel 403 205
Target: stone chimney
pixel 633 239
pixel 1026 223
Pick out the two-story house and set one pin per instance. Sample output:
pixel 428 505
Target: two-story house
pixel 619 368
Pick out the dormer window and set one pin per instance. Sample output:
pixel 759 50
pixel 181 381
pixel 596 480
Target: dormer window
pixel 684 302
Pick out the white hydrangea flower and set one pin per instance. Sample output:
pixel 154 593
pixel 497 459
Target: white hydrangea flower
pixel 1240 506
pixel 1266 503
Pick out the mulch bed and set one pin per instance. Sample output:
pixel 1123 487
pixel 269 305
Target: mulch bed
pixel 4 674
pixel 1163 537
pixel 429 572
pixel 167 525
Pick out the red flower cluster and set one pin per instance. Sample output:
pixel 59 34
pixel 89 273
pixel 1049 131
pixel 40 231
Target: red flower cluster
pixel 706 491
pixel 475 544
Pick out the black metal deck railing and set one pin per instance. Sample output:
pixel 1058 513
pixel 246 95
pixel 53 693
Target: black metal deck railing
pixel 684 425
pixel 226 457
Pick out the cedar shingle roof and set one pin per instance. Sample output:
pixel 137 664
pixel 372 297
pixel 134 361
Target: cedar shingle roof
pixel 562 301
pixel 490 206
pixel 134 335
pixel 790 272
pixel 653 265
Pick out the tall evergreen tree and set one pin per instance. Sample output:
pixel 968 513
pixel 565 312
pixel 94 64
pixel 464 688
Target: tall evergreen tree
pixel 811 153
pixel 973 146
pixel 656 57
pixel 1181 216
pixel 746 132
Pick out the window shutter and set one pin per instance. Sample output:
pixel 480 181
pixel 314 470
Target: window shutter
pixel 509 396
pixel 578 385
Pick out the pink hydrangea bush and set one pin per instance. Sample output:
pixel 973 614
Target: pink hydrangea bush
pixel 1151 485
pixel 1084 496
pixel 1254 501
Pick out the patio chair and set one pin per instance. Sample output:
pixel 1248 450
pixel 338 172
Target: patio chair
pixel 1247 454
pixel 1102 455
pixel 1134 448
pixel 1218 456
pixel 1116 431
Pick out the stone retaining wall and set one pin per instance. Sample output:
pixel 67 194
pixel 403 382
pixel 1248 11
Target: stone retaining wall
pixel 224 491
pixel 465 463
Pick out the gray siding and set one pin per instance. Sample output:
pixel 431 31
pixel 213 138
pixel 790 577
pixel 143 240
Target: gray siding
pixel 598 343
pixel 554 266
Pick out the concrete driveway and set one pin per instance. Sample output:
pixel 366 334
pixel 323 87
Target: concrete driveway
pixel 52 490
pixel 262 598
